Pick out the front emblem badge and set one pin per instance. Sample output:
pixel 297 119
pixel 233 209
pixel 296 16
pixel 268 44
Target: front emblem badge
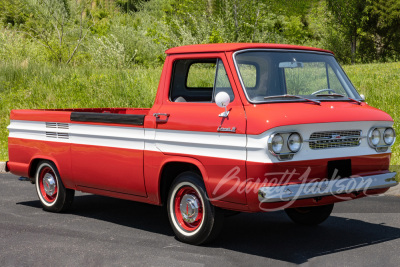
pixel 222 129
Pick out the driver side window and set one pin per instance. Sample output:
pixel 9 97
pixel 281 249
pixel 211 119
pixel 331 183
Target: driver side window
pixel 199 80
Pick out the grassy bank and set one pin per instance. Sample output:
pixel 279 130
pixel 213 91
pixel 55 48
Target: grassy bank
pixel 380 83
pixel 27 85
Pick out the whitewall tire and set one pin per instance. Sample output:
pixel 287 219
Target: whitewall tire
pixel 193 218
pixel 50 189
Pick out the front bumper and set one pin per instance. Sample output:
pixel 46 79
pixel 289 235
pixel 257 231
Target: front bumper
pixel 270 194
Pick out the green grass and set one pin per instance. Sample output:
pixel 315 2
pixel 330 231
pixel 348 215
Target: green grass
pixel 380 83
pixel 30 86
pixel 24 85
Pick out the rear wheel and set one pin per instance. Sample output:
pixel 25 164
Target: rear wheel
pixel 193 218
pixel 50 189
pixel 310 215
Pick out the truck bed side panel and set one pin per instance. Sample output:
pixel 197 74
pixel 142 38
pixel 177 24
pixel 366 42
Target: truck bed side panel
pixel 106 154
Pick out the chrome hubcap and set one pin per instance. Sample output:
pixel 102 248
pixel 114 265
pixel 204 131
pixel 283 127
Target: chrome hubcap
pixel 49 184
pixel 189 207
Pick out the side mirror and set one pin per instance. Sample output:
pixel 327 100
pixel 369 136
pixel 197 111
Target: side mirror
pixel 222 100
pixel 362 97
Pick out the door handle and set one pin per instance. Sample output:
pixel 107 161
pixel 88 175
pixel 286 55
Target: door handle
pixel 158 115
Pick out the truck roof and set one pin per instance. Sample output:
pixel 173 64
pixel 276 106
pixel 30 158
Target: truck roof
pixel 228 47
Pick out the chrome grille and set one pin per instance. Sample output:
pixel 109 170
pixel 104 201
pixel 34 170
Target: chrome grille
pixel 59 125
pixel 62 125
pixel 63 135
pixel 57 135
pixel 51 124
pixel 51 135
pixel 335 139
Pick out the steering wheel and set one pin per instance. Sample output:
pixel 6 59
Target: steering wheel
pixel 323 90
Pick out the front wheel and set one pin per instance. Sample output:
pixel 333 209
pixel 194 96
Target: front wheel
pixel 50 189
pixel 193 218
pixel 310 215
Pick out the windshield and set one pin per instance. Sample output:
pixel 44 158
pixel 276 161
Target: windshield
pixel 266 75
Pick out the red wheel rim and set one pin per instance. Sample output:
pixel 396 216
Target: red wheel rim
pixel 48 184
pixel 188 208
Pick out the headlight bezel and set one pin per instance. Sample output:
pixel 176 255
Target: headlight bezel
pixel 394 136
pixel 285 153
pixel 381 145
pixel 300 142
pixel 275 142
pixel 371 137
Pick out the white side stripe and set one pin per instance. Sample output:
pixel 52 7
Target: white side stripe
pixel 109 136
pixel 218 145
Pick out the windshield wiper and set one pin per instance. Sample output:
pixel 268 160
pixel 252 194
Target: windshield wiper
pixel 293 96
pixel 339 95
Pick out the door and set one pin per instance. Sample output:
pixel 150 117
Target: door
pixel 189 123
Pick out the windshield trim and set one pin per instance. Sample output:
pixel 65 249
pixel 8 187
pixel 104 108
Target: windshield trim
pixel 299 100
pixel 288 51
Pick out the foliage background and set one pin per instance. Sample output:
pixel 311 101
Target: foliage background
pixel 104 53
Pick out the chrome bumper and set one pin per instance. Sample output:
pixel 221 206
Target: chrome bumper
pixel 326 188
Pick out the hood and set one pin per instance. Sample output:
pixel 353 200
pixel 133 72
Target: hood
pixel 262 117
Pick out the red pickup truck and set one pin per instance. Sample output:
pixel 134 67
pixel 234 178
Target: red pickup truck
pixel 234 128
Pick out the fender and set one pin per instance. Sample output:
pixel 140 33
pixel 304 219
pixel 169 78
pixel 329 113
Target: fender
pixel 181 159
pixel 63 173
pixel 204 174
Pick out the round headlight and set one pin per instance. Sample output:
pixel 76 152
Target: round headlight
pixel 277 143
pixel 375 137
pixel 388 136
pixel 294 142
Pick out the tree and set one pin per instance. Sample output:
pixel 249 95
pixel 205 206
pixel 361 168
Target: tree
pixel 348 15
pixel 130 5
pixel 383 24
pixel 60 26
pixel 12 12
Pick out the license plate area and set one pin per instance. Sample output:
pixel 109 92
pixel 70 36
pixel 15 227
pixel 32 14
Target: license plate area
pixel 339 169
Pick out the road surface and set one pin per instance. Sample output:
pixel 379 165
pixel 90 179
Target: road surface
pixel 102 231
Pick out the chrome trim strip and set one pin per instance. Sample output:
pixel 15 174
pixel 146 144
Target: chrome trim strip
pixel 330 139
pixel 326 188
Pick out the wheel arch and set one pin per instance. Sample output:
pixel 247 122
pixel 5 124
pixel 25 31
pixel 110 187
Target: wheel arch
pixel 33 165
pixel 172 167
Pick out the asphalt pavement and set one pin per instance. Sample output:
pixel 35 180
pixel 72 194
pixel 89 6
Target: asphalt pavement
pixel 102 231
